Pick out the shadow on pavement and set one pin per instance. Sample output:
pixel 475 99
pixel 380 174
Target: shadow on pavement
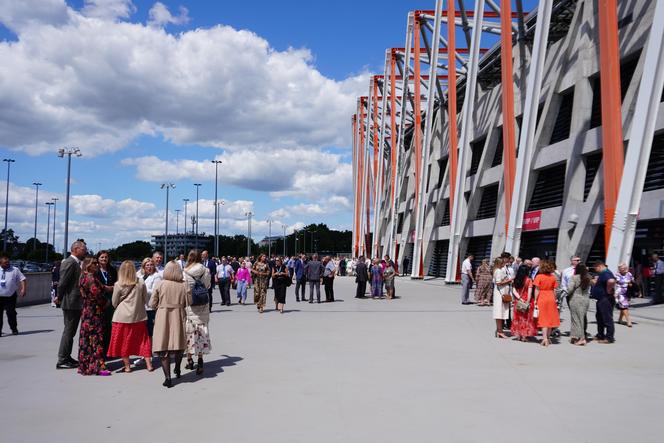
pixel 36 331
pixel 211 369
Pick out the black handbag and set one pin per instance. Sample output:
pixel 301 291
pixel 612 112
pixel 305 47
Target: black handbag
pixel 199 293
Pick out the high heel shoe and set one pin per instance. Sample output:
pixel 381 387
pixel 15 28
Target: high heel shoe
pixel 500 335
pixel 199 369
pixel 190 364
pixel 177 372
pixel 167 383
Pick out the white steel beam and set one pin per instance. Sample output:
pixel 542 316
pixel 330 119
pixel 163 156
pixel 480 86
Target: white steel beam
pixel 365 173
pixel 639 145
pixel 426 142
pixel 458 219
pixel 378 191
pixel 529 126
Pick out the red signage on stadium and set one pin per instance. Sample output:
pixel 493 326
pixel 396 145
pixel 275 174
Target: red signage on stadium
pixel 532 220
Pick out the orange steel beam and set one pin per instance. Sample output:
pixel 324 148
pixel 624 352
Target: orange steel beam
pixel 375 133
pixel 361 186
pixel 487 14
pixel 509 129
pixel 417 104
pixel 355 205
pixel 452 107
pixel 612 135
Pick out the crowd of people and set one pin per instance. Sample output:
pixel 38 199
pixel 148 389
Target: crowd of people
pixel 163 310
pixel 527 296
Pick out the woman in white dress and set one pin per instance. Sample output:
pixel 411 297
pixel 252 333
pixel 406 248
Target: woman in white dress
pixel 501 286
pixel 198 316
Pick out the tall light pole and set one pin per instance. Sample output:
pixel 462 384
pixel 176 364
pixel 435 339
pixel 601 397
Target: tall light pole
pixel 55 206
pixel 37 185
pixel 9 162
pixel 219 203
pixel 61 153
pixel 216 226
pixel 177 221
pixel 284 226
pixel 269 237
pixel 48 225
pixel 249 214
pixel 168 187
pixel 198 185
pixel 186 201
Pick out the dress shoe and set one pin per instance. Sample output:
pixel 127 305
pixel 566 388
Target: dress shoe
pixel 15 332
pixel 72 361
pixel 65 365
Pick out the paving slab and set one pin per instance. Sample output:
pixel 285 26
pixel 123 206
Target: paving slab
pixel 422 368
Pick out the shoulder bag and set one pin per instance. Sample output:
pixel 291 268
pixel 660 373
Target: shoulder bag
pixel 199 293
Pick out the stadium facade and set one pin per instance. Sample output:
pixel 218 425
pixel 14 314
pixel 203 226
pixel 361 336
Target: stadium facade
pixel 545 137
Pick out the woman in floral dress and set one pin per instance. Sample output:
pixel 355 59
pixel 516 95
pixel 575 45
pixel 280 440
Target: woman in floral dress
pixel 198 316
pixel 261 273
pixel 624 282
pixel 91 334
pixel 484 280
pixel 523 323
pixel 376 279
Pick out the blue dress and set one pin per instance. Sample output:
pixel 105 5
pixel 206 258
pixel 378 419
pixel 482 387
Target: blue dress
pixel 376 281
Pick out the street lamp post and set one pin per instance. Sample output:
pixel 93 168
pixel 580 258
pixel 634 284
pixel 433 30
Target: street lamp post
pixel 9 162
pixel 216 225
pixel 168 187
pixel 177 221
pixel 55 206
pixel 61 153
pixel 198 185
pixel 48 225
pixel 186 203
pixel 37 185
pixel 216 238
pixel 269 237
pixel 249 214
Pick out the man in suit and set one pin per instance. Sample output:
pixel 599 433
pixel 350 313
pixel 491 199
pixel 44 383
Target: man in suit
pixel 361 277
pixel 69 299
pixel 212 267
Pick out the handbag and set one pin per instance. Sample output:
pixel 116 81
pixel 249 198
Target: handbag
pixel 521 305
pixel 536 312
pixel 199 293
pixel 507 298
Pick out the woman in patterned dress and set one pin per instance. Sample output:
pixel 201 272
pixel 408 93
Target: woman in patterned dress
pixel 376 279
pixel 261 273
pixel 484 279
pixel 91 334
pixel 624 281
pixel 198 316
pixel 523 323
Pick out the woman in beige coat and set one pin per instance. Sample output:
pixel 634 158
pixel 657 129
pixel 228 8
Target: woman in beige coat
pixel 198 316
pixel 129 334
pixel 170 298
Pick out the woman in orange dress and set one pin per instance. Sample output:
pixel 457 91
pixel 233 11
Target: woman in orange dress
pixel 545 299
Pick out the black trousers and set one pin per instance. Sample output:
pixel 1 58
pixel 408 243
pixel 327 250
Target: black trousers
pixel 300 284
pixel 328 284
pixel 210 292
pixel 361 289
pixel 604 316
pixel 71 319
pixel 658 297
pixel 8 304
pixel 225 291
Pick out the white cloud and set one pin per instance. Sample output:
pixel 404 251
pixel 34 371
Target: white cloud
pixel 161 16
pixel 108 9
pixel 71 79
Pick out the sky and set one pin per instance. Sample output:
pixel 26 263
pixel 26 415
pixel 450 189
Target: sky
pixel 152 92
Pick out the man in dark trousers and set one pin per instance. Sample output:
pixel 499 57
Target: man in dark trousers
pixel 12 284
pixel 69 299
pixel 361 277
pixel 314 272
pixel 300 278
pixel 604 292
pixel 212 267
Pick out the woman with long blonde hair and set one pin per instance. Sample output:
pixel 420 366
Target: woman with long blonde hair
pixel 129 335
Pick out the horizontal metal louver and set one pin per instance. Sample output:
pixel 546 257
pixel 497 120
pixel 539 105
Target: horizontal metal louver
pixel 498 154
pixel 480 248
pixel 400 224
pixel 438 264
pixel 655 172
pixel 442 165
pixel 597 251
pixel 446 213
pixel 489 203
pixel 592 162
pixel 540 244
pixel 476 148
pixel 549 188
pixel 564 118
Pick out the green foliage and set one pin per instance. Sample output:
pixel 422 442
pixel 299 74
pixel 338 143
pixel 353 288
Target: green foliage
pixel 137 250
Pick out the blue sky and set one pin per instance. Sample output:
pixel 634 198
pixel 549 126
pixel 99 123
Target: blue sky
pixel 152 92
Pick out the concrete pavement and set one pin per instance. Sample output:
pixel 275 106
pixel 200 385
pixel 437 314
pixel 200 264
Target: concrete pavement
pixel 421 368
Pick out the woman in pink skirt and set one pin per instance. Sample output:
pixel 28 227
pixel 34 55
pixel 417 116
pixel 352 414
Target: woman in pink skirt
pixel 129 335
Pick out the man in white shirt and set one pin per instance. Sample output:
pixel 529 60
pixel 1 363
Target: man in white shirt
pixel 181 261
pixel 466 279
pixel 224 276
pixel 658 275
pixel 568 273
pixel 158 260
pixel 12 284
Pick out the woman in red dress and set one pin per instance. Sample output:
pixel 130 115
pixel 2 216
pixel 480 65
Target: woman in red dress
pixel 545 300
pixel 523 323
pixel 91 334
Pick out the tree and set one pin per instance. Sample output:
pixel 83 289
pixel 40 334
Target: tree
pixel 137 250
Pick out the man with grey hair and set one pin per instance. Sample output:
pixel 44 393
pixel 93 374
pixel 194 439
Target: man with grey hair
pixel 69 299
pixel 314 272
pixel 158 260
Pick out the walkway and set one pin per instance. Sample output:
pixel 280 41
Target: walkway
pixel 422 368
